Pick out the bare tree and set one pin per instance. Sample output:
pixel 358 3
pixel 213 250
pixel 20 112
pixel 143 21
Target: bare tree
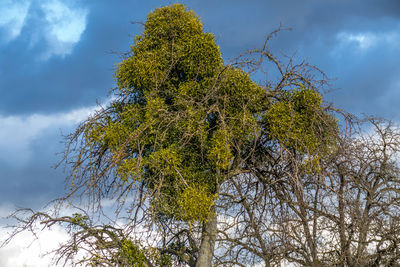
pixel 342 212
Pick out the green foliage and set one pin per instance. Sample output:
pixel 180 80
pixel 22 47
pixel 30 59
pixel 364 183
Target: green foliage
pixel 220 151
pixel 172 49
pixel 130 168
pixel 166 161
pixel 182 122
pixel 131 255
pixel 299 122
pixel 179 114
pixel 164 260
pixel 196 204
pixel 79 219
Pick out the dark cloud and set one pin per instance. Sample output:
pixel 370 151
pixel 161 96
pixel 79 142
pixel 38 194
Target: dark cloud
pixel 367 78
pixel 32 84
pixel 35 182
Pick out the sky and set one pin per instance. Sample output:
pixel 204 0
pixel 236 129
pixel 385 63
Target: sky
pixel 58 57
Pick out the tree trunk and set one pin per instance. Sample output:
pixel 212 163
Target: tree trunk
pixel 206 251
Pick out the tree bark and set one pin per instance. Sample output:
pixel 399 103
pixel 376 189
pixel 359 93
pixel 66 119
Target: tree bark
pixel 206 251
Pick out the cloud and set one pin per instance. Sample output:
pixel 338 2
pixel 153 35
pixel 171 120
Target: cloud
pixel 362 40
pixel 17 132
pixel 23 250
pixel 64 28
pixel 55 25
pixel 12 19
pixel 367 40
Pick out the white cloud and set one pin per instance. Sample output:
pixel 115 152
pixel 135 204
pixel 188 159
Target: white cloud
pixel 17 132
pixel 367 40
pixel 25 251
pixel 61 27
pixel 12 17
pixel 22 251
pixel 362 40
pixel 65 26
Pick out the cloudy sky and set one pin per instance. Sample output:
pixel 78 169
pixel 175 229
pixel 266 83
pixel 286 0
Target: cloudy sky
pixel 57 58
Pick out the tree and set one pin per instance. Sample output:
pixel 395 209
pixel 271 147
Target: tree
pixel 344 213
pixel 194 152
pixel 177 127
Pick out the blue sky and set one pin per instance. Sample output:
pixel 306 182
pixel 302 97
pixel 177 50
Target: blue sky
pixel 57 59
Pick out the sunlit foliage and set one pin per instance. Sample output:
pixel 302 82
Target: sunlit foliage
pixel 179 114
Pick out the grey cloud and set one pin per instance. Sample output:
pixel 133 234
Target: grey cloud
pixel 365 80
pixel 368 80
pixel 29 84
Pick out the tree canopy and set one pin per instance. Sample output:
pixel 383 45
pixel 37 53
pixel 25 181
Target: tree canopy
pixel 196 153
